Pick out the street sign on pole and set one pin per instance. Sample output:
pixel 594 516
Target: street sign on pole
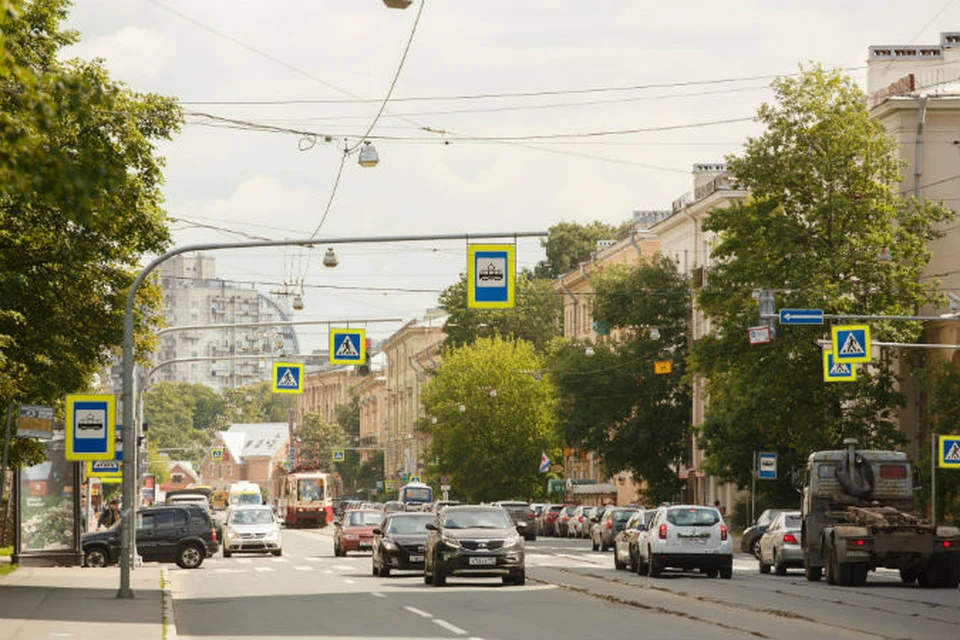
pixel 91 427
pixel 338 455
pixel 948 452
pixel 801 316
pixel 287 377
pixel 834 371
pixel 851 343
pixel 104 468
pixel 759 335
pixel 768 466
pixel 35 422
pixel 348 346
pixel 491 271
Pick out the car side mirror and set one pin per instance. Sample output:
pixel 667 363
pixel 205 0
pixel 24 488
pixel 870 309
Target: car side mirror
pixel 378 532
pixel 431 526
pixel 521 527
pixel 641 527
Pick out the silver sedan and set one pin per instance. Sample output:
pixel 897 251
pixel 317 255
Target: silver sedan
pixel 780 544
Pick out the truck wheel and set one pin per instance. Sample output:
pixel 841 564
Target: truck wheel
pixel 909 575
pixel 842 573
pixel 812 574
pixel 934 574
pixel 859 573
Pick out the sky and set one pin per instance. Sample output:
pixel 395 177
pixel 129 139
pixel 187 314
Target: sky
pixel 503 117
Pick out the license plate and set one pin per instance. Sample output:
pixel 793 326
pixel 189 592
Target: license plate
pixel 366 543
pixel 697 541
pixel 416 558
pixel 483 560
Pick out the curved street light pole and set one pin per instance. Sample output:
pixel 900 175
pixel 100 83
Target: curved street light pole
pixel 130 435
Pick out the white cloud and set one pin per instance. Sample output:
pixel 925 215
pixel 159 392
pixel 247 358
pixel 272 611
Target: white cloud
pixel 131 54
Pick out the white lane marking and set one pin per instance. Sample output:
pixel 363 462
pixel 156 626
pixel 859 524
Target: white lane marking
pixel 313 559
pixel 304 568
pixel 243 560
pixel 280 559
pixel 344 567
pixel 349 581
pixel 450 627
pixel 328 571
pixel 377 594
pixel 225 570
pixel 419 612
pixel 264 569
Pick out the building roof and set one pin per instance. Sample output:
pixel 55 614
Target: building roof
pixel 186 466
pixel 255 439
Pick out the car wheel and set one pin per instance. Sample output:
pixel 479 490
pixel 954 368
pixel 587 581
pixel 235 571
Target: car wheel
pixel 374 569
pixel 337 551
pixel 277 552
pixel 427 577
pixel 95 557
pixel 227 554
pixel 519 578
pixel 764 567
pixel 604 546
pixel 616 561
pixel 594 544
pixel 726 571
pixel 439 577
pixel 778 567
pixel 756 548
pixel 190 556
pixel 654 568
pixel 641 567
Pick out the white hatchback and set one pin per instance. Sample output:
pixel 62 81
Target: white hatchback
pixel 687 537
pixel 251 529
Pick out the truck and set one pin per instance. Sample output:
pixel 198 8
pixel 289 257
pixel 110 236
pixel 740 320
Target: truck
pixel 858 511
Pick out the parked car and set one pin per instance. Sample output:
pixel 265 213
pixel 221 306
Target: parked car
pixel 596 518
pixel 750 542
pixel 626 543
pixel 612 523
pixel 441 504
pixel 562 523
pixel 251 529
pixel 578 527
pixel 392 506
pixel 474 541
pixel 521 512
pixel 687 537
pixel 537 508
pixel 354 532
pixel 183 534
pixel 780 545
pixel 399 543
pixel 548 519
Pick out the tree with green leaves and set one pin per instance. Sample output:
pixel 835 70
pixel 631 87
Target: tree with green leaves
pixel 315 441
pixel 824 203
pixel 348 417
pixel 941 383
pixel 494 416
pixel 80 205
pixel 258 403
pixel 613 401
pixel 570 243
pixel 534 318
pixel 183 417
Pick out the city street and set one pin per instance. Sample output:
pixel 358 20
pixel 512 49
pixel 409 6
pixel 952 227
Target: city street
pixel 571 592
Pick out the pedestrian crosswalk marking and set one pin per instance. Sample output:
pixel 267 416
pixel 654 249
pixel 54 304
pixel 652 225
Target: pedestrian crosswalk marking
pixel 347 349
pixel 304 568
pixel 288 381
pixel 264 569
pixel 852 347
pixel 953 455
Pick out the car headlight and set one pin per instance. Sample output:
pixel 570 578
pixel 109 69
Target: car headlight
pixel 231 535
pixel 513 540
pixel 450 542
pixel 389 546
pixel 272 535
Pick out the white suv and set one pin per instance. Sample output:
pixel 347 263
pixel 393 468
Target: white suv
pixel 688 537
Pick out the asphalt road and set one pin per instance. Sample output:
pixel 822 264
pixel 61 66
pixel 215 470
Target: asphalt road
pixel 571 592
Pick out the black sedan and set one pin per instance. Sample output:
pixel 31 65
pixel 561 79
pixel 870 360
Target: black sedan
pixel 474 541
pixel 398 543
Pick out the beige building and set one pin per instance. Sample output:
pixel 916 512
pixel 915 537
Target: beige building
pixel 914 91
pixel 372 394
pixel 324 390
pixel 412 353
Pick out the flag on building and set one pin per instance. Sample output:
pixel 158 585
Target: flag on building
pixel 544 462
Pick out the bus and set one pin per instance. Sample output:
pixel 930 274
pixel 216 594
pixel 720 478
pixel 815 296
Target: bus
pixel 416 495
pixel 306 499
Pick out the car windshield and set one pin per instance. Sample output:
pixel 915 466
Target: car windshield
pixel 693 517
pixel 476 519
pixel 622 516
pixel 409 525
pixel 791 521
pixel 252 516
pixel 363 518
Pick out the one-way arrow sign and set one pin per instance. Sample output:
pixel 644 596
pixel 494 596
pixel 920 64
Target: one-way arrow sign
pixel 801 316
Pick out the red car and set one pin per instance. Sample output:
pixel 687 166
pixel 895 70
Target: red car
pixel 354 532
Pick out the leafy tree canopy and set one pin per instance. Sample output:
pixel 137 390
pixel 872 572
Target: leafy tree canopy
pixel 823 180
pixel 613 402
pixel 535 317
pixel 80 204
pixel 570 243
pixel 315 441
pixel 183 418
pixel 491 448
pixel 258 403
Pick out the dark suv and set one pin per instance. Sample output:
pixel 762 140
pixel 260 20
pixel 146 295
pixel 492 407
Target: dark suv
pixel 183 534
pixel 522 512
pixel 474 541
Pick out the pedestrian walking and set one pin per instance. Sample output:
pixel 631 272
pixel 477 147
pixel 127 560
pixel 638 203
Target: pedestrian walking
pixel 110 515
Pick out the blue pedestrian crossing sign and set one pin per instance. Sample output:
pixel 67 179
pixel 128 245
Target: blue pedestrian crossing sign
pixel 104 469
pixel 287 377
pixel 834 371
pixel 91 427
pixel 491 274
pixel 348 346
pixel 338 455
pixel 851 344
pixel 216 453
pixel 948 452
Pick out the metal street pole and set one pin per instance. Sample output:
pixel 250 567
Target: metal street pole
pixel 130 435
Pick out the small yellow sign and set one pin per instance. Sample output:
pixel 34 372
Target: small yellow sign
pixel 663 367
pixel 104 469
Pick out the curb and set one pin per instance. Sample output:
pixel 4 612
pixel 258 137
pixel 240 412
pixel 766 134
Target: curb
pixel 169 622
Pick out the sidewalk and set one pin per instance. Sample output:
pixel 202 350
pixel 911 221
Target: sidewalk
pixel 74 602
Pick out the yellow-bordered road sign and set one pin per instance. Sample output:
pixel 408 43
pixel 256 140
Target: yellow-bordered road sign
pixel 491 275
pixel 834 371
pixel 287 377
pixel 348 346
pixel 104 469
pixel 850 343
pixel 91 427
pixel 663 367
pixel 948 452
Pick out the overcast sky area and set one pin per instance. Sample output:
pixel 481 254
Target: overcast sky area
pixel 506 117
